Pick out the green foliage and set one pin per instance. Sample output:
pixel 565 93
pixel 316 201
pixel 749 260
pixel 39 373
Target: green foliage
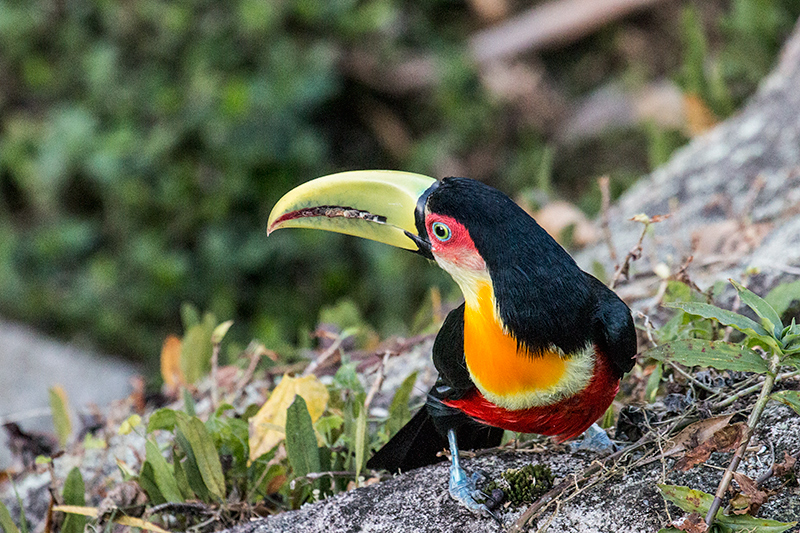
pixel 60 413
pixel 696 501
pixel 6 523
pixel 767 345
pixel 196 345
pixel 301 442
pixel 790 398
pixel 399 412
pixel 74 495
pixel 142 145
pixel 718 354
pixel 753 31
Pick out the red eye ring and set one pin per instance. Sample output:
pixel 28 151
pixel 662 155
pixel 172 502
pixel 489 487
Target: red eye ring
pixel 441 231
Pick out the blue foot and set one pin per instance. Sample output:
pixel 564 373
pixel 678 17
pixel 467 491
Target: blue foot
pixel 595 439
pixel 463 487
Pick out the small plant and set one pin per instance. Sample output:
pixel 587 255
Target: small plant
pixel 766 346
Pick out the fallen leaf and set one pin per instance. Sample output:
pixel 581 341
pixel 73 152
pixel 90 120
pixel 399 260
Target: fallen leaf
pixel 786 467
pixel 171 371
pixel 691 523
pixel 750 499
pixel 723 440
pixel 268 426
pixel 122 519
pixel 697 432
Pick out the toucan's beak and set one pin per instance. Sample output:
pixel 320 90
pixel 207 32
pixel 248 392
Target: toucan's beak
pixel 379 205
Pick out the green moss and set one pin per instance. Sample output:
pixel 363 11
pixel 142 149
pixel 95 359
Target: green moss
pixel 524 485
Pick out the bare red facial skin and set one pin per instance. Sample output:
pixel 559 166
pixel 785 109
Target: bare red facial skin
pixel 459 248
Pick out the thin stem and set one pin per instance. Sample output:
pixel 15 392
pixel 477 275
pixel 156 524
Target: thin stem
pixel 752 421
pixel 693 380
pixel 751 389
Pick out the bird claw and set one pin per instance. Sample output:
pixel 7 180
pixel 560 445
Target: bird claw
pixel 595 439
pixel 463 489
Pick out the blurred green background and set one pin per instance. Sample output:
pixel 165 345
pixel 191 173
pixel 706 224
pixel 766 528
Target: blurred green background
pixel 143 143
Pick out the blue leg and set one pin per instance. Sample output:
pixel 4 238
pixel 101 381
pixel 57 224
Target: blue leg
pixel 463 486
pixel 595 439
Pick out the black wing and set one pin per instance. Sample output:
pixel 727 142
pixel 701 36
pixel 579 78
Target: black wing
pixel 614 332
pixel 448 354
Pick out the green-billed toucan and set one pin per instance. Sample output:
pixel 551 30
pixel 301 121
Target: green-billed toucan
pixel 538 346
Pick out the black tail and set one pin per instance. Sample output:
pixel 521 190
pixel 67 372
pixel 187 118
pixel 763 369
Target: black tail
pixel 418 442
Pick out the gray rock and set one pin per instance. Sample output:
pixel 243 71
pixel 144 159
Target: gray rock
pixel 30 363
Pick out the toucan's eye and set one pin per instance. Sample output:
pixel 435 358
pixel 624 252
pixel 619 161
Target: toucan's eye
pixel 441 231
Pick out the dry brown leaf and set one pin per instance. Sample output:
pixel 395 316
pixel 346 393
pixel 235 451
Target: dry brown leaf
pixel 268 426
pixel 171 371
pixel 695 433
pixel 699 118
pixel 490 10
pixel 692 523
pixel 723 440
pixel 275 484
pixel 122 520
pixel 786 467
pixel 751 498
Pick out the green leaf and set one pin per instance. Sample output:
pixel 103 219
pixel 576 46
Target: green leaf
pixel 793 360
pixel 361 440
pixel 220 331
pixel 190 315
pixel 231 436
pixel 6 523
pixel 690 500
pixel 330 428
pixel 60 411
pixel 192 471
pixel 696 501
pixel 769 317
pixel 162 473
pixel 301 442
pixel 717 354
pixel 182 480
pixel 196 349
pixel 723 316
pixel 74 494
pixel 782 296
pixel 147 481
pixel 205 454
pixel 347 378
pixel 399 413
pixel 161 419
pixel 790 398
pixel 188 403
pixel 751 524
pixel 653 382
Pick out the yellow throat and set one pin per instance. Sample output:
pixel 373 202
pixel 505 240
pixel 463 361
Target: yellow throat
pixel 507 375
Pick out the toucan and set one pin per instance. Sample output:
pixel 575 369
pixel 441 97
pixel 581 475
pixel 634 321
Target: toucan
pixel 538 346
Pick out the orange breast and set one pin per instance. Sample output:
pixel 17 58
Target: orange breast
pixel 492 357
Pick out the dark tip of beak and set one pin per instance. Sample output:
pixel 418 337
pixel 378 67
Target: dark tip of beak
pixel 424 247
